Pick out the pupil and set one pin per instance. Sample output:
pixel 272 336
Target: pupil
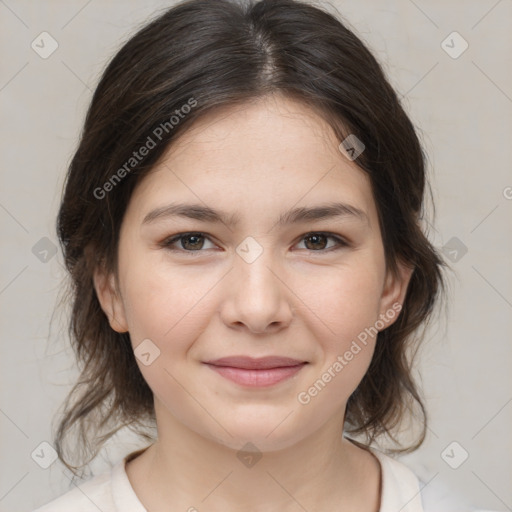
pixel 316 237
pixel 192 237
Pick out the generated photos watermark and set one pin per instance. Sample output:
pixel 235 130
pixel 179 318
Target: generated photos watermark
pixel 143 151
pixel 305 397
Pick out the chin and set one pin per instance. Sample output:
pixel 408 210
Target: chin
pixel 265 435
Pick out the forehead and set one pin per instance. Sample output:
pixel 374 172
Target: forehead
pixel 256 158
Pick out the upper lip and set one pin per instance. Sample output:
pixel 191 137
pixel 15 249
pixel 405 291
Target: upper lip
pixel 250 363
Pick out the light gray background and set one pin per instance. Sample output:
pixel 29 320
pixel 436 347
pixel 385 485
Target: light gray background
pixel 462 107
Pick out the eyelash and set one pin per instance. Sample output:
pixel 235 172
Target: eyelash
pixel 168 242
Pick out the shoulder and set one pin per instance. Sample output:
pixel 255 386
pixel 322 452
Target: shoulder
pixel 402 488
pixel 91 496
pixel 110 491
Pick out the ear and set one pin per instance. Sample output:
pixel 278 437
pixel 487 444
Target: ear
pixel 394 292
pixel 110 300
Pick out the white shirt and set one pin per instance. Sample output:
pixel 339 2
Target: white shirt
pixel 111 491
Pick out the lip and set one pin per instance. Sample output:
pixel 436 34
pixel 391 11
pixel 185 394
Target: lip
pixel 262 372
pixel 251 363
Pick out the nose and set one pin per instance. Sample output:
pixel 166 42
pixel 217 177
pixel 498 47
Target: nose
pixel 256 296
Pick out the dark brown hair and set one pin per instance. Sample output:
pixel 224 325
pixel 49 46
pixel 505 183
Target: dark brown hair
pixel 207 54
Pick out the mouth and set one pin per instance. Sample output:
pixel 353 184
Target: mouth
pixel 262 372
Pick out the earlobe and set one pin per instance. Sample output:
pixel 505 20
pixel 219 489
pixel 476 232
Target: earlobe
pixel 394 292
pixel 110 300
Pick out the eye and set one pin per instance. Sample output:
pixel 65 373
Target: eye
pixel 194 242
pixel 316 241
pixel 190 242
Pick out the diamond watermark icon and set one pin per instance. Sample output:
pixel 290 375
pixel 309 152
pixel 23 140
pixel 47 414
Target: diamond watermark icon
pixel 44 250
pixel 454 249
pixel 454 45
pixel 44 455
pixel 146 352
pixel 351 147
pixel 44 45
pixel 249 250
pixel 454 455
pixel 249 455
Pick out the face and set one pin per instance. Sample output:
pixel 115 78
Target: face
pixel 268 270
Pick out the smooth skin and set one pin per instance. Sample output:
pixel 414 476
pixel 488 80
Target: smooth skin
pixel 306 296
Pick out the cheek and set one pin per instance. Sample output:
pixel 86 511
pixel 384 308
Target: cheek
pixel 344 350
pixel 342 301
pixel 342 314
pixel 161 304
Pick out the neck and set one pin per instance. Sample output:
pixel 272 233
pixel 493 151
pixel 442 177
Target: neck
pixel 321 472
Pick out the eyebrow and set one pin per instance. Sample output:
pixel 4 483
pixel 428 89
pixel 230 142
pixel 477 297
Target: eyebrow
pixel 294 216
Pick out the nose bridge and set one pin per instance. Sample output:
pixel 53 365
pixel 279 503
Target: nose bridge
pixel 257 295
pixel 255 265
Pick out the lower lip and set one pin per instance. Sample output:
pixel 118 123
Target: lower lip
pixel 257 378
